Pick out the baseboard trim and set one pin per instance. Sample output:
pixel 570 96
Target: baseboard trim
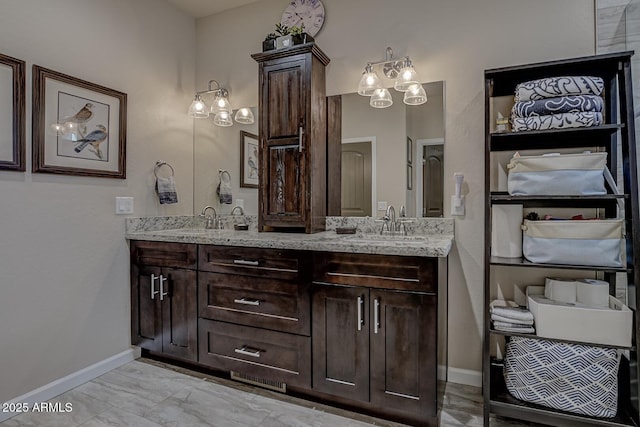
pixel 464 376
pixel 64 384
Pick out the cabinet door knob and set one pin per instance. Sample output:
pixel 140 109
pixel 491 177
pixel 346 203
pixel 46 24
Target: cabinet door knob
pixel 162 290
pixel 248 351
pixel 247 301
pixel 153 285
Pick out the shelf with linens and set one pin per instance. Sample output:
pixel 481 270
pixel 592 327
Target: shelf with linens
pixel 613 134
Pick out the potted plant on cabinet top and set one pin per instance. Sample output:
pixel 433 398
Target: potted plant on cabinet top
pixel 290 36
pixel 269 42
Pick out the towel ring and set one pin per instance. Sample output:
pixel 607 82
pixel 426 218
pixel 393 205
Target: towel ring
pixel 222 172
pixel 161 163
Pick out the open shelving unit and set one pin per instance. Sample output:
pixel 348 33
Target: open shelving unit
pixel 617 138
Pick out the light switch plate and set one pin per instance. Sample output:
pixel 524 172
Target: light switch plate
pixel 382 206
pixel 240 203
pixel 124 205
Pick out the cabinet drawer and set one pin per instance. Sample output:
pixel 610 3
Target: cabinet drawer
pixel 266 303
pixel 267 354
pixel 272 263
pixel 163 254
pixel 377 271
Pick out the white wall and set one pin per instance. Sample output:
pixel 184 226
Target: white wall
pixel 64 268
pixel 454 41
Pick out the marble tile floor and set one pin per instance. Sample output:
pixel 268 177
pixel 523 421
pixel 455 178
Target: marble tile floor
pixel 147 393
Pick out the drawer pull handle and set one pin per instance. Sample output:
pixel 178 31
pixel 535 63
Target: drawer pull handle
pixel 245 262
pixel 246 301
pixel 162 289
pixel 248 351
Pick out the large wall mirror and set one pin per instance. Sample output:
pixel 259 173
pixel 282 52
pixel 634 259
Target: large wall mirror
pixel 391 156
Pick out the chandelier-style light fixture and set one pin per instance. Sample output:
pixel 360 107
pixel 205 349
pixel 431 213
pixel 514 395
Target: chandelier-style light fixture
pixel 406 80
pixel 220 107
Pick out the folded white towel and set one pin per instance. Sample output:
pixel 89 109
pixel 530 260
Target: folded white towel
pixel 529 330
pixel 522 315
pixel 498 324
pixel 498 318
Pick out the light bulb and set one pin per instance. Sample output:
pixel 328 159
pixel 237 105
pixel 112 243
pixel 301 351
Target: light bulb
pixel 244 116
pixel 415 95
pixel 369 82
pixel 381 98
pixel 198 109
pixel 223 118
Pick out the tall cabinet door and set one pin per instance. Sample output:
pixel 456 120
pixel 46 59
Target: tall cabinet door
pixel 179 313
pixel 283 142
pixel 340 341
pixel 403 351
pixel 146 308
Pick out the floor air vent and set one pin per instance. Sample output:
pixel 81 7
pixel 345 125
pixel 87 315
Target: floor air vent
pixel 260 382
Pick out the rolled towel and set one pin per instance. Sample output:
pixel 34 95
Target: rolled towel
pixel 513 314
pixel 559 105
pixel 498 318
pixel 166 189
pixel 557 121
pixel 552 87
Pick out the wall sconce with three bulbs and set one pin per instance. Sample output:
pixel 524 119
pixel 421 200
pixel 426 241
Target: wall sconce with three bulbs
pixel 406 80
pixel 220 108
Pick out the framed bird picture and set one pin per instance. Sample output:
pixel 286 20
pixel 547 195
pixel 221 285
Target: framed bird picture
pixel 12 114
pixel 248 160
pixel 79 128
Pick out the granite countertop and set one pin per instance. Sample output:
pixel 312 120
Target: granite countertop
pixel 426 237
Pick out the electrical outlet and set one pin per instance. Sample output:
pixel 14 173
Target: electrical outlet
pixel 124 205
pixel 382 206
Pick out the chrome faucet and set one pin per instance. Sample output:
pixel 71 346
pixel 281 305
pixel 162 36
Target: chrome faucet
pixel 391 223
pixel 212 221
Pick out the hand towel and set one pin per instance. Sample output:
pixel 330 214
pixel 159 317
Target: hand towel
pixel 224 188
pixel 519 315
pixel 527 330
pixel 552 87
pixel 166 189
pixel 498 318
pixel 498 324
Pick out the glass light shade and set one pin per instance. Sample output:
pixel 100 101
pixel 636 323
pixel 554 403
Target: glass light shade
pixel 244 116
pixel 381 98
pixel 221 104
pixel 406 77
pixel 415 95
pixel 198 109
pixel 369 82
pixel 223 119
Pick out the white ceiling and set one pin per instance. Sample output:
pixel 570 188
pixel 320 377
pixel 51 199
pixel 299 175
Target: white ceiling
pixel 200 8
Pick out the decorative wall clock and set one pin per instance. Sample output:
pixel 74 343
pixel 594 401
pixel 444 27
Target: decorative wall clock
pixel 307 12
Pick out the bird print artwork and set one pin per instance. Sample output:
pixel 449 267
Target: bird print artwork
pixel 83 115
pixel 94 139
pixel 253 163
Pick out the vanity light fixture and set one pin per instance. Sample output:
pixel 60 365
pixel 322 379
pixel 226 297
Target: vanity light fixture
pixel 406 80
pixel 220 108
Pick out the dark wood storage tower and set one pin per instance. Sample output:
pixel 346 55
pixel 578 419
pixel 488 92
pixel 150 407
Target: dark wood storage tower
pixel 292 190
pixel 617 137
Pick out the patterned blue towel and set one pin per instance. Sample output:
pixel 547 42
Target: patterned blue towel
pixel 553 87
pixel 562 104
pixel 556 121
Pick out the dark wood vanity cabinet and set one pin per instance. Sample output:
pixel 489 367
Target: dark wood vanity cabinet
pixel 163 298
pixel 292 128
pixel 375 344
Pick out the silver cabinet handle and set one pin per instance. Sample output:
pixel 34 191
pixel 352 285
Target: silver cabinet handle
pixel 245 262
pixel 360 319
pixel 248 351
pixel 376 315
pixel 300 146
pixel 247 301
pixel 153 285
pixel 162 292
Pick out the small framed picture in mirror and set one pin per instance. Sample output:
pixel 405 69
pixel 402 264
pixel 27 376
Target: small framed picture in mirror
pixel 409 177
pixel 248 160
pixel 409 151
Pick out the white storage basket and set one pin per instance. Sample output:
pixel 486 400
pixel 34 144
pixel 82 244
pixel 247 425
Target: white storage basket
pixel 557 174
pixel 597 242
pixel 570 377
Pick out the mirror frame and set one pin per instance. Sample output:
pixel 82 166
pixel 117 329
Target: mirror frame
pixel 17 163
